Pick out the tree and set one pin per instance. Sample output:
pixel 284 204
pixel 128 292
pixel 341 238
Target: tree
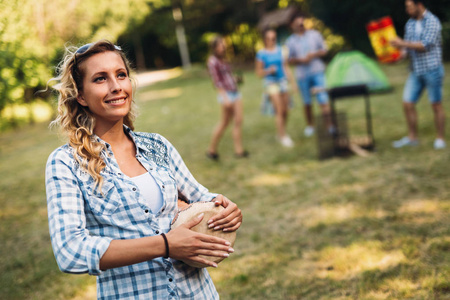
pixel 33 34
pixel 201 19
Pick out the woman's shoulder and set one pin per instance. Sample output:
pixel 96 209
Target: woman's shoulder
pixel 260 54
pixel 261 51
pixel 64 151
pixel 62 155
pixel 212 60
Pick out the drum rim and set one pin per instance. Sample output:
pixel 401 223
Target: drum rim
pixel 189 206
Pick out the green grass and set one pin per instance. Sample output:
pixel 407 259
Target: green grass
pixel 343 228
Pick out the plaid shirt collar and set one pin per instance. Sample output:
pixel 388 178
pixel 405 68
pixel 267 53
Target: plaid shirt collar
pixel 143 147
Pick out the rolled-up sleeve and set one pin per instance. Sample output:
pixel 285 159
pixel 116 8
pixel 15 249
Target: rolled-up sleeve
pixel 75 250
pixel 187 185
pixel 432 31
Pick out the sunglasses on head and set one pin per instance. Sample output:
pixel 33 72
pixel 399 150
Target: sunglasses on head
pixel 84 48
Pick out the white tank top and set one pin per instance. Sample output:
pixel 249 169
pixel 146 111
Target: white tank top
pixel 150 191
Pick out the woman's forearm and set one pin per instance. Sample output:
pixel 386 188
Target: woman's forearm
pixel 261 71
pixel 127 252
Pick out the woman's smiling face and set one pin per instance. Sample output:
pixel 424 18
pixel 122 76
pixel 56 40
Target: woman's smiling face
pixel 270 38
pixel 107 89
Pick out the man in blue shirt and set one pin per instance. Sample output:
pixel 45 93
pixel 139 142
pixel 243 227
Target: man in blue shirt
pixel 423 44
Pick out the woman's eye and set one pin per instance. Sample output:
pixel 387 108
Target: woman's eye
pixel 122 75
pixel 98 79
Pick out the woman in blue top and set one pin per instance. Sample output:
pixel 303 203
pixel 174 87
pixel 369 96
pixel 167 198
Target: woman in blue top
pixel 112 192
pixel 271 65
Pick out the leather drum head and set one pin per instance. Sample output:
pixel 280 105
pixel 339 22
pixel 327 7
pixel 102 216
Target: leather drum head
pixel 209 209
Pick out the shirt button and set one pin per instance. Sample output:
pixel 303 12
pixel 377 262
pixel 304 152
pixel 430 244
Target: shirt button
pixel 120 174
pixel 146 210
pixel 134 189
pixel 151 169
pixel 162 210
pixel 157 231
pixel 170 279
pixel 163 186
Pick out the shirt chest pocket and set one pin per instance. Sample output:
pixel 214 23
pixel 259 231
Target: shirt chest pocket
pixel 104 202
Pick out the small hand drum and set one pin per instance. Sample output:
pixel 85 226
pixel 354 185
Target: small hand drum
pixel 188 212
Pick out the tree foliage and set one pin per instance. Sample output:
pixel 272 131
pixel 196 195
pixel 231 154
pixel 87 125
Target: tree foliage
pixel 201 19
pixel 33 34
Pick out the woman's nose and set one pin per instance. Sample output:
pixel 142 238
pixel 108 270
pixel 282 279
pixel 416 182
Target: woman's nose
pixel 115 86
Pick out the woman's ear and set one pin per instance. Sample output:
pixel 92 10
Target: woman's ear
pixel 81 99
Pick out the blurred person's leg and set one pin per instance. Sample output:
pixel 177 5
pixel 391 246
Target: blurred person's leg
pixel 409 109
pixel 304 87
pixel 434 81
pixel 309 114
pixel 279 119
pixel 226 115
pixel 411 93
pixel 413 90
pixel 285 107
pixel 285 140
pixel 439 119
pixel 323 99
pixel 238 115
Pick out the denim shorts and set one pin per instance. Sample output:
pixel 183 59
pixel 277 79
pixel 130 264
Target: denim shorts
pixel 415 84
pixel 233 96
pixel 272 87
pixel 313 81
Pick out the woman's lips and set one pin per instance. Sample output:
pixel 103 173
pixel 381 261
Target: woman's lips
pixel 116 101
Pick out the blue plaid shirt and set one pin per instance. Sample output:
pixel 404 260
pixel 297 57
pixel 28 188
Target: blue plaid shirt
pixel 430 37
pixel 83 221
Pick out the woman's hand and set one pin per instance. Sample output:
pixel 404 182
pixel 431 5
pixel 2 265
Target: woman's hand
pixel 187 244
pixel 271 70
pixel 230 219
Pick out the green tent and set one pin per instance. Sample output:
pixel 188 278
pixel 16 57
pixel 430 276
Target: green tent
pixel 353 67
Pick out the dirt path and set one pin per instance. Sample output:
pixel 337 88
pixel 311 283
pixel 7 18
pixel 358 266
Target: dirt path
pixel 150 77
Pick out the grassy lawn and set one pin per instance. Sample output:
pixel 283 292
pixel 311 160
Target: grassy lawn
pixel 343 228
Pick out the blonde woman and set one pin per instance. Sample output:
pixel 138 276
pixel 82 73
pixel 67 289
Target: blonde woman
pixel 112 192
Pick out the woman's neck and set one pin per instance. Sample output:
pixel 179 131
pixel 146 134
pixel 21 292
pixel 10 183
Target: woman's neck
pixel 113 133
pixel 271 48
pixel 219 56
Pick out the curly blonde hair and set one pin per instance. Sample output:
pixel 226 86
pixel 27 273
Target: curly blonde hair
pixel 76 121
